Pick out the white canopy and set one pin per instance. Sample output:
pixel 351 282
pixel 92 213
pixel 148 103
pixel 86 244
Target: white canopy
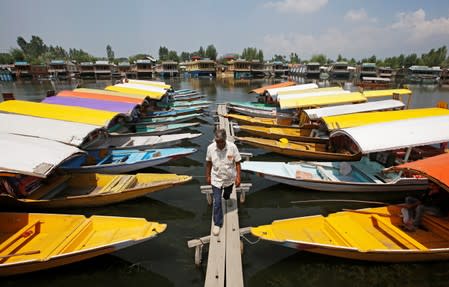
pixel 32 156
pixel 142 87
pixel 275 91
pixel 398 134
pixel 312 93
pixel 315 114
pixel 66 132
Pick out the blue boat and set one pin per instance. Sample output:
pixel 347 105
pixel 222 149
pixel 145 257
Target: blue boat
pixel 154 130
pixel 122 161
pixel 173 112
pixel 167 120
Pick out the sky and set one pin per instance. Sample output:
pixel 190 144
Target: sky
pixel 348 27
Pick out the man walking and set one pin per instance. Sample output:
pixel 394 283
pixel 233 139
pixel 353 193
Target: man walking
pixel 222 172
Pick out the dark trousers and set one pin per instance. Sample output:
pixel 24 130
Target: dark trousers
pixel 218 211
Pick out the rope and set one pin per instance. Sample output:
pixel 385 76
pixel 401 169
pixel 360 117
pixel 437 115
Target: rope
pixel 340 200
pixel 249 241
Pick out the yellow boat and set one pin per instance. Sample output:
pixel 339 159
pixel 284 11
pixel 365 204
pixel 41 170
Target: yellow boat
pixel 149 83
pixel 63 113
pixel 301 150
pixel 361 119
pixel 372 234
pixel 154 95
pixel 286 122
pixel 110 93
pixel 87 190
pixel 303 134
pixel 33 241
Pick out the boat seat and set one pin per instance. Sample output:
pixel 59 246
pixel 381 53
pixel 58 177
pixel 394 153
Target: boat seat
pixel 352 233
pixel 118 183
pixel 438 225
pixel 326 175
pixel 397 234
pixel 367 175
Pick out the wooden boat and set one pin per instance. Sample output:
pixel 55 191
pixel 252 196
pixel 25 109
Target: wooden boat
pixel 64 113
pixel 84 190
pixel 187 97
pixel 154 95
pixel 150 83
pixel 130 109
pixel 187 104
pixel 270 122
pixel 318 113
pixel 140 142
pixel 359 119
pixel 308 100
pixel 255 109
pixel 305 151
pixel 68 239
pixel 172 112
pixel 261 90
pixel 361 176
pixel 371 234
pixel 122 161
pixel 155 130
pixel 95 94
pixel 138 98
pixel 167 120
pixel 303 134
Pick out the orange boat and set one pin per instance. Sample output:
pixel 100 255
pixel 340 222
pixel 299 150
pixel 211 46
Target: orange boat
pixel 102 97
pixel 261 90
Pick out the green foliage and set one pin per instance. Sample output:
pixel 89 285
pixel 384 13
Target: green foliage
pixel 80 56
pixel 201 52
pixel 134 58
pixel 110 53
pixel 435 57
pixel 320 58
pixel 163 53
pixel 211 52
pixel 17 54
pixel 185 56
pixel 6 58
pixel 250 54
pixel 294 59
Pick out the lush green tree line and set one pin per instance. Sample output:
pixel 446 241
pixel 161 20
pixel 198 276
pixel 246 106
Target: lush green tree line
pixel 37 52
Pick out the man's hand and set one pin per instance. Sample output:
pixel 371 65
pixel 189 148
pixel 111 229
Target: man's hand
pixel 237 181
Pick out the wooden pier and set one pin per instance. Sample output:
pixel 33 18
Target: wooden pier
pixel 224 264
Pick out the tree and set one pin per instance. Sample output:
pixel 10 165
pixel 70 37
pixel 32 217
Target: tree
pixel 320 58
pixel 411 60
pixel 134 58
pixel 17 54
pixel 173 56
pixel 110 53
pixel 6 58
pixel 260 56
pixel 294 59
pixel 163 53
pixel 185 56
pixel 80 56
pixel 201 52
pixel 211 52
pixel 435 57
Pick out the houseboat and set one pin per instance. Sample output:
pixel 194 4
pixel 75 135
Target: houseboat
pixel 268 69
pixel 280 69
pixel 340 71
pixel 239 69
pixel 423 74
pixel 86 70
pixel 257 69
pixel 22 70
pixel 385 72
pixel 311 70
pixel 5 73
pixel 102 70
pixel 444 79
pixel 201 67
pixel 62 70
pixel 124 68
pixel 39 72
pixel 143 69
pixel 167 69
pixel 367 70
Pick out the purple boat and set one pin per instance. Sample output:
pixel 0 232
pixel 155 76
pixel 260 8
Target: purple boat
pixel 120 107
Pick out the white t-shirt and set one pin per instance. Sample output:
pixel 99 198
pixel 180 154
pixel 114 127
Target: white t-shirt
pixel 223 163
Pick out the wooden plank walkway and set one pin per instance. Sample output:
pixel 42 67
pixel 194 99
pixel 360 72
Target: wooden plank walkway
pixel 224 264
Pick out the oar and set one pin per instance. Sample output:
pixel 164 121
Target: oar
pixel 20 254
pixel 340 200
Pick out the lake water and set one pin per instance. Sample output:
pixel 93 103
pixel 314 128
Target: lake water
pixel 167 261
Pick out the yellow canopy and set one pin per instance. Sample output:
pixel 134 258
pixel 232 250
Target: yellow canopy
pixel 150 83
pixel 323 100
pixel 150 94
pixel 361 119
pixel 109 93
pixel 386 93
pixel 60 112
pixel 310 91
